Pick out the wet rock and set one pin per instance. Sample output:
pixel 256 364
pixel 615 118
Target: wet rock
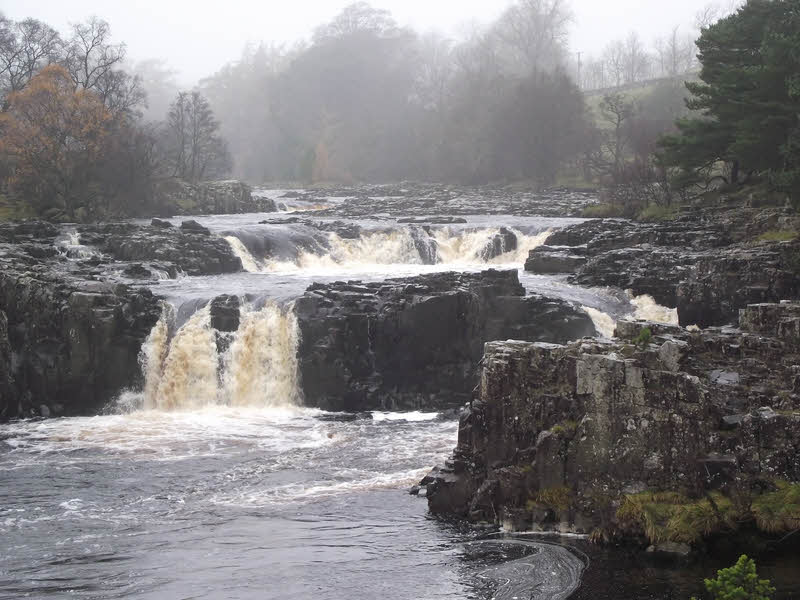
pixel 225 313
pixel 193 226
pixel 549 262
pixel 704 263
pixel 160 223
pixel 557 435
pixel 74 345
pixel 211 197
pixel 415 343
pixel 724 282
pixel 174 249
pixel 438 220
pixel 137 271
pixel 500 243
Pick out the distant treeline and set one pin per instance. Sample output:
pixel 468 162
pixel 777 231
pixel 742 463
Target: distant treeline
pixel 73 141
pixel 83 135
pixel 368 100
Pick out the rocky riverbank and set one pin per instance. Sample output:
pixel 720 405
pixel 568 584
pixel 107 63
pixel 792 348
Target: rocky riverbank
pixel 178 197
pixel 663 433
pixel 709 263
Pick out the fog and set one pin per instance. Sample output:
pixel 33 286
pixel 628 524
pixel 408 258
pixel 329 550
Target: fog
pixel 546 92
pixel 197 38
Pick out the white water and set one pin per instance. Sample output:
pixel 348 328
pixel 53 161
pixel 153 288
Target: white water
pixel 647 309
pixel 185 371
pixel 379 249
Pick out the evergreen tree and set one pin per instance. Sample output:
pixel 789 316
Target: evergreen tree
pixel 748 98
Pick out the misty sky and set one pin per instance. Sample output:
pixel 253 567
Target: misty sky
pixel 197 37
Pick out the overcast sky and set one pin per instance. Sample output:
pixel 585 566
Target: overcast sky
pixel 197 37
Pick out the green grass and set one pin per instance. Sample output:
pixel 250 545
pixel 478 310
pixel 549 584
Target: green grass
pixel 671 516
pixel 556 498
pixel 603 211
pixel 657 214
pixel 778 511
pixel 12 211
pixel 777 236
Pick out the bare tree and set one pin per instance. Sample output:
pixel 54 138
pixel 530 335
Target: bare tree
pixel 193 147
pixel 635 59
pixel 614 58
pixel 616 111
pixel 535 34
pixel 90 55
pixel 25 47
pixel 357 17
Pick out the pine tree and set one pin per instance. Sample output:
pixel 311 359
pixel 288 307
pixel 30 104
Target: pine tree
pixel 748 98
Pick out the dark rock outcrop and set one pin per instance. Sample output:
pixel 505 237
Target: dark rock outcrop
pixel 194 252
pixel 211 197
pixel 553 259
pixel 69 336
pixel 721 283
pixel 557 437
pixel 74 344
pixel 411 343
pixel 706 263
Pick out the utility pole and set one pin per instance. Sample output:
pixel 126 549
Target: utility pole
pixel 580 81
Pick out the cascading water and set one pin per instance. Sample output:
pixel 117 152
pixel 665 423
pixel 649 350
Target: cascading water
pixel 403 246
pixel 258 369
pixel 261 367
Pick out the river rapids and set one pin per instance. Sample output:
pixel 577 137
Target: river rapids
pixel 213 480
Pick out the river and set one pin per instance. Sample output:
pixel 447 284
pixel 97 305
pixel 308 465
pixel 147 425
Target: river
pixel 213 481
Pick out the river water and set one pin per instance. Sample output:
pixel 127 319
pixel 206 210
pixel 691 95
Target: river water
pixel 208 486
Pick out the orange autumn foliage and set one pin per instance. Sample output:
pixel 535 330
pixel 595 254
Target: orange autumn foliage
pixel 56 137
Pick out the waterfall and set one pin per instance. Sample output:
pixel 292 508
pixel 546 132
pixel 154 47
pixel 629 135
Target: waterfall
pixel 261 365
pixel 647 309
pixel 188 376
pixel 402 246
pixel 258 368
pixel 249 263
pixel 603 322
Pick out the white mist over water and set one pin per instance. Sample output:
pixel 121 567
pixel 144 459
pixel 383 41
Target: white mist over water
pixel 185 371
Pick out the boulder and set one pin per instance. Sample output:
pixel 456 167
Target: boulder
pixel 193 226
pixel 415 343
pixel 551 262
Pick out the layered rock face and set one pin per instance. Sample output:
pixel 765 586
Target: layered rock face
pixel 211 197
pixel 73 320
pixel 415 343
pixel 558 436
pixel 191 250
pixel 705 263
pixel 68 341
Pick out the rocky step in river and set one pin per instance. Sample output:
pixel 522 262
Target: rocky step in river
pixel 195 343
pixel 665 434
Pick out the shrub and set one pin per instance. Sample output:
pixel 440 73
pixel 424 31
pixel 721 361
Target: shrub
pixel 644 337
pixel 739 582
